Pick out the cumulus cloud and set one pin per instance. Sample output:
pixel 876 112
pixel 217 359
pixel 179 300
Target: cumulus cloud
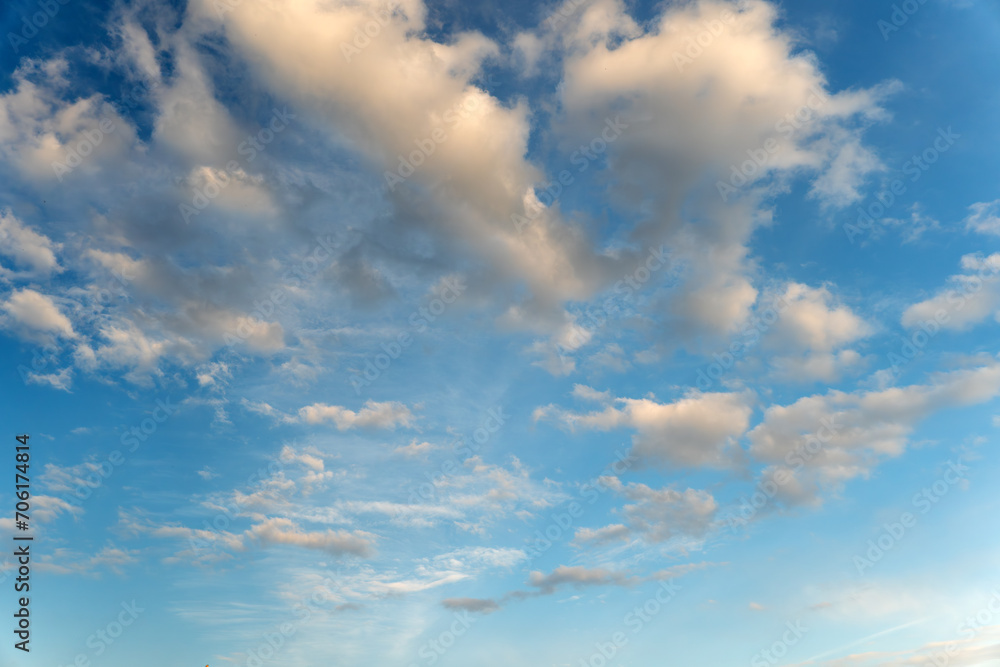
pixel 819 442
pixel 284 531
pixel 373 415
pixel 656 514
pixel 52 137
pixel 34 312
pixel 699 429
pixel 811 320
pixel 426 84
pixel 30 250
pixel 811 334
pixel 187 294
pixel 972 297
pixel 610 59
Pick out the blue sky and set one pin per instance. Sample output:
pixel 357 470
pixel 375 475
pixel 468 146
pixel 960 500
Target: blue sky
pixel 595 333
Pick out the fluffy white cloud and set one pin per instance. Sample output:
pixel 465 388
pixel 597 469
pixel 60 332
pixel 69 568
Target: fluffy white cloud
pixel 697 430
pixel 811 320
pixel 28 248
pixel 423 90
pixel 284 531
pixel 372 415
pixel 745 89
pixel 415 449
pixel 819 442
pixel 973 297
pixel 387 415
pixel 35 312
pixel 810 333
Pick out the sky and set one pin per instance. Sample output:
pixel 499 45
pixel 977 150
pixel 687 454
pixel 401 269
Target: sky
pixel 595 333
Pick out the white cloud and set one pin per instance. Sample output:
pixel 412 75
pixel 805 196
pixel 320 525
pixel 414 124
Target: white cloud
pixel 586 393
pixel 311 459
pixel 415 449
pixel 824 440
pixel 61 380
pixel 48 508
pixel 284 531
pixel 266 531
pixel 655 515
pixel 697 430
pixel 36 312
pixel 27 247
pixel 373 415
pixel 973 297
pixel 811 320
pixel 810 333
pixel 609 60
pixel 984 217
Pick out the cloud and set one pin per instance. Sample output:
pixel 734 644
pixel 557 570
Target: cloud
pixel 68 479
pixel 586 393
pixel 824 440
pixel 401 514
pixel 188 293
pixel 373 415
pixel 973 297
pixel 28 248
pixel 576 576
pixel 44 125
pixel 415 449
pixel 387 415
pixel 49 508
pixel 67 561
pixel 62 380
pixel 697 430
pixel 984 218
pixel 972 649
pixel 811 320
pixel 613 533
pixel 474 605
pixel 811 333
pixel 207 545
pixel 656 515
pixel 427 84
pixel 310 460
pixel 612 66
pixel 36 312
pixel 283 531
